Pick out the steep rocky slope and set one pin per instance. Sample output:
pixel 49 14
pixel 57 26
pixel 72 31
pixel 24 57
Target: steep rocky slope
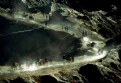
pixel 27 37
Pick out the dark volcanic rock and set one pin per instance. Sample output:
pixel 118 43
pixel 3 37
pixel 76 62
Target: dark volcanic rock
pixel 18 80
pixel 113 77
pixel 113 65
pixel 93 74
pixel 18 45
pixel 47 79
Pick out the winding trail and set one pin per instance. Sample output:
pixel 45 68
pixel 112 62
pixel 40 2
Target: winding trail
pixel 77 31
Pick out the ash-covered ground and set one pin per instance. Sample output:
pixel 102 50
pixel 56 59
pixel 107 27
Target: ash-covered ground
pixel 58 42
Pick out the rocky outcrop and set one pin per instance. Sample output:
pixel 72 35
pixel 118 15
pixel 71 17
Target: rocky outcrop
pixel 18 80
pixel 20 39
pixel 105 71
pixel 47 79
pixel 93 74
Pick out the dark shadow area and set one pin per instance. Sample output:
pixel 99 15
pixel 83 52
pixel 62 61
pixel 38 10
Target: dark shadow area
pixel 18 80
pixel 93 5
pixel 93 74
pixel 44 9
pixel 47 79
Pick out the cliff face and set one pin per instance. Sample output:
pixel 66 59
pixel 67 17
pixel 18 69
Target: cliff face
pixel 81 41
